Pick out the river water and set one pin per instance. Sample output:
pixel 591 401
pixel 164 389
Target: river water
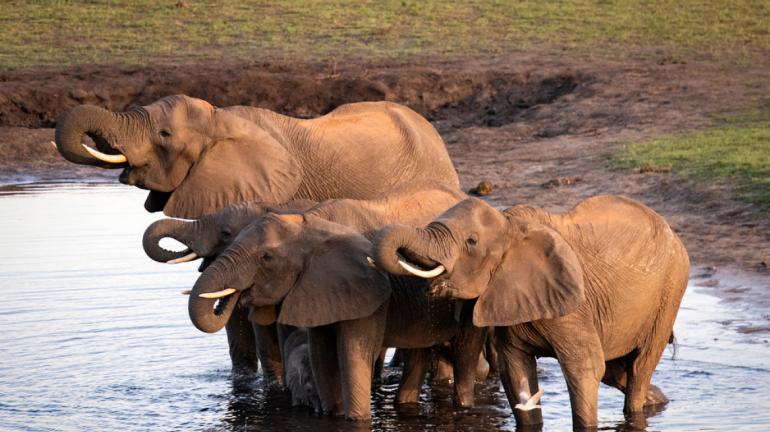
pixel 95 336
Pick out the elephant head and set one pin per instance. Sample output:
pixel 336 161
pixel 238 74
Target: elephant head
pixel 208 236
pixel 291 269
pixel 192 157
pixel 519 269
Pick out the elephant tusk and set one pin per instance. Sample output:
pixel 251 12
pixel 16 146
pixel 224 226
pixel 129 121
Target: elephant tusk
pixel 426 274
pixel 219 294
pixel 371 262
pixel 115 159
pixel 186 258
pixel 185 292
pixel 55 147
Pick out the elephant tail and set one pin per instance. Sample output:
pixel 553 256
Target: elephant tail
pixel 674 345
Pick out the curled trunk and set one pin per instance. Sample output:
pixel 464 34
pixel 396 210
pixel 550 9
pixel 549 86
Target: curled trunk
pixel 161 229
pixel 210 315
pixel 416 245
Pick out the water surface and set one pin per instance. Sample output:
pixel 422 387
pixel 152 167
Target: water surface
pixel 95 336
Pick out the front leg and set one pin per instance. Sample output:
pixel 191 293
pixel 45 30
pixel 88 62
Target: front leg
pixel 241 339
pixel 416 362
pixel 466 351
pixel 269 352
pixel 322 342
pixel 518 372
pixel 358 344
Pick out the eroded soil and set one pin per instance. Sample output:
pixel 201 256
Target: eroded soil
pixel 541 127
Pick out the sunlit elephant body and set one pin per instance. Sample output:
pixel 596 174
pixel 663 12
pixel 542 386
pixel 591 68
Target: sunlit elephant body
pixel 207 237
pixel 300 270
pixel 598 288
pixel 195 158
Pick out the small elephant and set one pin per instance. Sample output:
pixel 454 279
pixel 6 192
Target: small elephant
pixel 299 374
pixel 415 203
pixel 300 270
pixel 598 288
pixel 195 158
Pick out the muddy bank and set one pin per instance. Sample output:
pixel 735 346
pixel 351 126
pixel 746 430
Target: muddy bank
pixel 539 127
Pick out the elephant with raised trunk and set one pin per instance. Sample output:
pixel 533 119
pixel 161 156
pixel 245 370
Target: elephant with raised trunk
pixel 195 158
pixel 208 236
pixel 598 288
pixel 304 271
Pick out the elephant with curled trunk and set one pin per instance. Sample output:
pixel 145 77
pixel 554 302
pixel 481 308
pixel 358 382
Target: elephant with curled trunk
pixel 195 158
pixel 598 288
pixel 207 237
pixel 304 271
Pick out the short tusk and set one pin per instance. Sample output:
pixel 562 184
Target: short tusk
pixel 116 159
pixel 185 292
pixel 188 257
pixel 219 294
pixel 426 274
pixel 371 262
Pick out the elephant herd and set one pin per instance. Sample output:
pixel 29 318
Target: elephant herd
pixel 324 241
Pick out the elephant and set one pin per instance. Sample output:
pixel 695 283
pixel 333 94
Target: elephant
pixel 195 158
pixel 598 288
pixel 304 271
pixel 299 375
pixel 414 203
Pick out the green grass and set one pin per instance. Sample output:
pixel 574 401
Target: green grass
pixel 59 33
pixel 735 149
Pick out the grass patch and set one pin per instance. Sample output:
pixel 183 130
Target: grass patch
pixel 735 149
pixel 65 32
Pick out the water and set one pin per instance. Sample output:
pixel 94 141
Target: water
pixel 95 336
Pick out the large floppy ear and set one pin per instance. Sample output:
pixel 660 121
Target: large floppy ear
pixel 539 277
pixel 249 165
pixel 338 284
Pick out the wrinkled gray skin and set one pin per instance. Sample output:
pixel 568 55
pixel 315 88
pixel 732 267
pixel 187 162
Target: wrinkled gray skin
pixel 416 203
pixel 598 288
pixel 309 272
pixel 195 158
pixel 299 374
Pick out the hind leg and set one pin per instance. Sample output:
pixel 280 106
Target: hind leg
pixel 615 376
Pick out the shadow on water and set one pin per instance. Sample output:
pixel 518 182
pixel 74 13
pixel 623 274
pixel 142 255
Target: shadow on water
pixel 96 337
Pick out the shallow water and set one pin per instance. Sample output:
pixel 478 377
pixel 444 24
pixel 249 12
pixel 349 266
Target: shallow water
pixel 95 336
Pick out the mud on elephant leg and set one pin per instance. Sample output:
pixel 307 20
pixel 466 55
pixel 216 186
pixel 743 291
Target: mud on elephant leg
pixel 243 347
pixel 416 363
pixel 518 373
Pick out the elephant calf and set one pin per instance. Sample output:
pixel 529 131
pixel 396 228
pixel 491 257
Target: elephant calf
pixel 299 374
pixel 598 288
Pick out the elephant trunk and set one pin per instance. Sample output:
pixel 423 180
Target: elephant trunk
pixel 106 128
pixel 173 228
pixel 211 303
pixel 429 248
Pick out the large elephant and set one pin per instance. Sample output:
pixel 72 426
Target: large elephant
pixel 300 270
pixel 415 204
pixel 195 158
pixel 598 288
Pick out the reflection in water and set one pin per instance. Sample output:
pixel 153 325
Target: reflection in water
pixel 95 336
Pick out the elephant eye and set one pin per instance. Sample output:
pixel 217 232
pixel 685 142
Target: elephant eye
pixel 266 257
pixel 165 133
pixel 472 240
pixel 225 234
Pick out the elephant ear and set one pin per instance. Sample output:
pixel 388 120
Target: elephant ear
pixel 252 166
pixel 540 277
pixel 338 284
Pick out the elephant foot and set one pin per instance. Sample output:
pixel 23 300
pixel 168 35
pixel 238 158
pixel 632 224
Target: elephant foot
pixel 654 396
pixel 464 400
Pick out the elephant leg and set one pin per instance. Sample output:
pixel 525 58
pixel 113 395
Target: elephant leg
pixel 416 363
pixel 491 353
pixel 358 344
pixel 615 375
pixel 518 373
pixel 284 331
pixel 269 352
pixel 243 346
pixel 379 365
pixel 582 363
pixel 640 392
pixel 466 349
pixel 322 342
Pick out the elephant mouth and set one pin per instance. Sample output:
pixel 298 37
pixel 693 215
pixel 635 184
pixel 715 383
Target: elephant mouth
pixel 156 200
pixel 418 265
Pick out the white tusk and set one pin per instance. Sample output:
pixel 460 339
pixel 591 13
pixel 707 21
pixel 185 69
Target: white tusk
pixel 427 274
pixel 188 257
pixel 116 159
pixel 371 262
pixel 185 292
pixel 219 294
